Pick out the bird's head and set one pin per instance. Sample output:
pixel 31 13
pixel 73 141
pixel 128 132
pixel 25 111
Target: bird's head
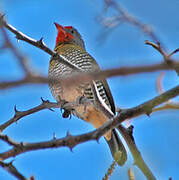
pixel 67 35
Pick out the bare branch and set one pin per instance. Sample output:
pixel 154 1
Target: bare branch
pixel 12 170
pixel 20 114
pixel 110 171
pixel 8 140
pixel 169 105
pixel 131 174
pixel 84 77
pixel 166 56
pixel 138 160
pixel 16 52
pixel 124 16
pixel 159 82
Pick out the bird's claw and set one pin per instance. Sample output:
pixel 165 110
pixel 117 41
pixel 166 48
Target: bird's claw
pixel 67 109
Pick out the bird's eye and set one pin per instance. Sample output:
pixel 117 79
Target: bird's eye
pixel 72 31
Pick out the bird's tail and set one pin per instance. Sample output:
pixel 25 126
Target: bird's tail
pixel 117 148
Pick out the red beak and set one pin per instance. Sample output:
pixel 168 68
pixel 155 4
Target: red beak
pixel 62 35
pixel 60 28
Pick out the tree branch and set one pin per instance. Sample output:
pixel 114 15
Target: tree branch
pixel 16 52
pixel 84 77
pixel 12 170
pixel 71 141
pixel 138 160
pixel 124 16
pixel 166 56
pixel 20 114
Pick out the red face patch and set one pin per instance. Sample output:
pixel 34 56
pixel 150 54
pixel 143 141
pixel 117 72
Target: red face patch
pixel 68 27
pixel 62 35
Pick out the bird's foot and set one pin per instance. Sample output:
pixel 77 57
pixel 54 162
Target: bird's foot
pixel 66 106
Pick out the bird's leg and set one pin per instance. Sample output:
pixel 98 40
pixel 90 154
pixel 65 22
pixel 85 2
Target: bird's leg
pixel 82 100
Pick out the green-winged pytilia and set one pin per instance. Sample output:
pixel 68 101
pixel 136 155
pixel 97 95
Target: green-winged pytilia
pixel 70 45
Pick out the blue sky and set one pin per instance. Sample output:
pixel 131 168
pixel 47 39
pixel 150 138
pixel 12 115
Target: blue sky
pixel 156 136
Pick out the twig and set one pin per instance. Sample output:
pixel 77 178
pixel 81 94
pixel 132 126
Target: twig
pixel 138 160
pixel 110 171
pixel 20 114
pixel 170 105
pixel 12 170
pixel 15 51
pixel 124 16
pixel 159 83
pixel 166 56
pixel 131 174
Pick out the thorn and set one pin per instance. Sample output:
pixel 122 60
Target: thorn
pixel 18 38
pixel 42 99
pixel 71 147
pixel 21 144
pixel 68 134
pixel 32 178
pixel 51 109
pixel 40 41
pixel 148 112
pixel 54 136
pixel 15 109
pixel 11 162
pixel 16 112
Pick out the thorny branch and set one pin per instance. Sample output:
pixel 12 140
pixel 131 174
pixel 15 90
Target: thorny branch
pixel 12 170
pixel 71 141
pixel 20 114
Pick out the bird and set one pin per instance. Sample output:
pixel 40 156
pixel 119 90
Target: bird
pixel 70 45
